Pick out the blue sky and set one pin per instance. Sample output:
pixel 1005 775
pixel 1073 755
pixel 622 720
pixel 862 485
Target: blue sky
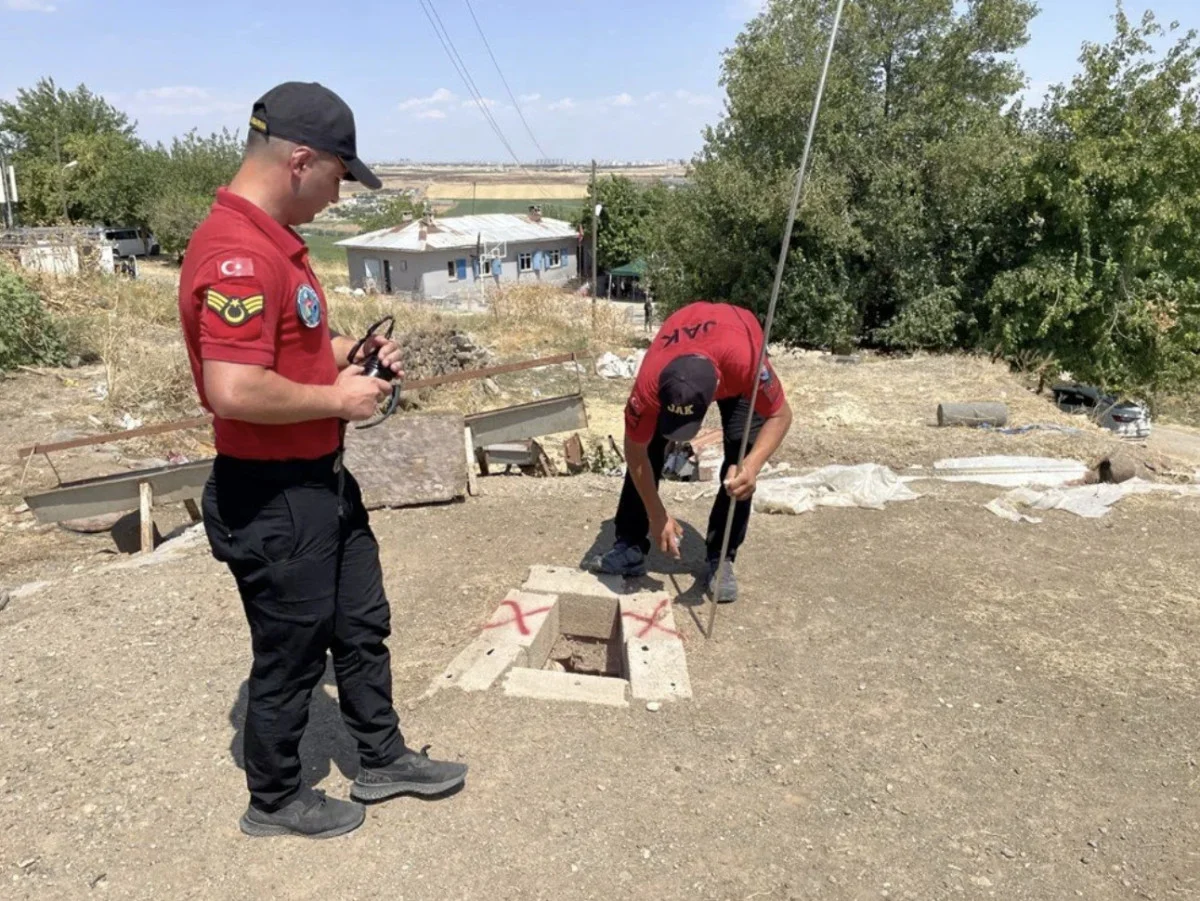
pixel 613 80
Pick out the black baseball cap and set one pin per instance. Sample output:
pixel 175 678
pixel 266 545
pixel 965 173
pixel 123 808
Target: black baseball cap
pixel 686 387
pixel 309 113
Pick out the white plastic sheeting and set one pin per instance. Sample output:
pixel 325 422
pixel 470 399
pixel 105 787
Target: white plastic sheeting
pixel 1088 501
pixel 867 485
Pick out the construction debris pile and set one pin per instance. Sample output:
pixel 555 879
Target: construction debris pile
pixel 437 351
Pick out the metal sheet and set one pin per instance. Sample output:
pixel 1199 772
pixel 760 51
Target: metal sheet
pixel 119 493
pixel 542 417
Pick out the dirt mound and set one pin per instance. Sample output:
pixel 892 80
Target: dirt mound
pixel 435 351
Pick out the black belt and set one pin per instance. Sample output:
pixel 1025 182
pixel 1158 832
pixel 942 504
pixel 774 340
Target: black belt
pixel 319 469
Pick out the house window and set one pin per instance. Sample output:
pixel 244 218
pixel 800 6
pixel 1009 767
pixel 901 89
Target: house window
pixel 451 271
pixel 524 262
pixel 553 259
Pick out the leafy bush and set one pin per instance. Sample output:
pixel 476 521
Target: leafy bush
pixel 28 336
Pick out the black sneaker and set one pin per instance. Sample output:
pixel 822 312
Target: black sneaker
pixel 310 814
pixel 410 773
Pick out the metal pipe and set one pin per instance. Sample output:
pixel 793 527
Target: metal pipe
pixel 722 564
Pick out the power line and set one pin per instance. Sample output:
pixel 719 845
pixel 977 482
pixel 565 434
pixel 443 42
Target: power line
pixel 460 66
pixel 504 81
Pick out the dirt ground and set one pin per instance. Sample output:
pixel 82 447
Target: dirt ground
pixel 921 702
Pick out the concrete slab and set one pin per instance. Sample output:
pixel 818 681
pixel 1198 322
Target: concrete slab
pixel 648 617
pixel 547 685
pixel 520 633
pixel 657 670
pixel 564 580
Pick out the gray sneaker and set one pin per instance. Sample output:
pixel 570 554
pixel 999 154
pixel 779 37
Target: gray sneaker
pixel 622 560
pixel 310 814
pixel 729 587
pixel 410 773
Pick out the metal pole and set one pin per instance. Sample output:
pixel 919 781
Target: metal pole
pixel 5 189
pixel 595 228
pixel 722 565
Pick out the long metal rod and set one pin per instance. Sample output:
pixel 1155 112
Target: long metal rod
pixel 723 564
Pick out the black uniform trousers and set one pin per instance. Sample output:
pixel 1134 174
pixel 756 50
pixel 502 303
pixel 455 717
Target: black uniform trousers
pixel 297 539
pixel 633 523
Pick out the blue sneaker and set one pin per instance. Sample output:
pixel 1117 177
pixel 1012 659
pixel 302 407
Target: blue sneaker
pixel 728 592
pixel 622 560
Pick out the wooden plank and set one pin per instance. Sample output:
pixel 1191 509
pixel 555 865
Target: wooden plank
pixel 192 509
pixel 146 498
pixel 470 374
pixel 120 493
pixel 416 458
pixel 533 420
pixel 146 431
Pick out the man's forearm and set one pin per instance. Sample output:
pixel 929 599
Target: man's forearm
pixel 770 437
pixel 264 396
pixel 637 460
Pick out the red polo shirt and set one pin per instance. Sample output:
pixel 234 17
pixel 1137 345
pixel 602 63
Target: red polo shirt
pixel 248 295
pixel 729 336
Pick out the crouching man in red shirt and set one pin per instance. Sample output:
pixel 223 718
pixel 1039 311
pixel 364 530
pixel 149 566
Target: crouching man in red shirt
pixel 704 352
pixel 280 509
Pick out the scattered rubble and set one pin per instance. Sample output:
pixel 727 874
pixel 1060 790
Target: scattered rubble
pixel 610 366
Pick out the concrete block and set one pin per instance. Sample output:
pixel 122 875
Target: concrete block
pixel 520 633
pixel 587 617
pixel 564 580
pixel 648 617
pixel 547 685
pixel 657 670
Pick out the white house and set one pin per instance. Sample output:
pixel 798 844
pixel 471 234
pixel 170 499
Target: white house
pixel 436 258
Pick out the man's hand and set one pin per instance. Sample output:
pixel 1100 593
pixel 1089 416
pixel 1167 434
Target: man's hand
pixel 359 396
pixel 389 353
pixel 740 483
pixel 666 533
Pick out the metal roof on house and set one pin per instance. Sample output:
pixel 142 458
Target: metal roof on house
pixel 462 231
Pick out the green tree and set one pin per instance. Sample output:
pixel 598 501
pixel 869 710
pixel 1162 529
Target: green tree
pixel 185 177
pixel 916 154
pixel 48 127
pixel 1106 260
pixel 627 219
pixel 389 214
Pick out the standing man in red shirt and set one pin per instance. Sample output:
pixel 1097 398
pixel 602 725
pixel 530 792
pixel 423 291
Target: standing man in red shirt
pixel 703 352
pixel 280 509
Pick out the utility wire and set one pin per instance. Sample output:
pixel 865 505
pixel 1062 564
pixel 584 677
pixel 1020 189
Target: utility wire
pixel 504 81
pixel 460 66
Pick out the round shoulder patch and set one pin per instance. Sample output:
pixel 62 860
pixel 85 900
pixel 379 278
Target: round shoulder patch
pixel 308 306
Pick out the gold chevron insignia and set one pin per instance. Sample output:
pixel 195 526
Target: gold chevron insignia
pixel 235 310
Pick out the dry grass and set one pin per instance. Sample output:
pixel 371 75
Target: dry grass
pixel 132 327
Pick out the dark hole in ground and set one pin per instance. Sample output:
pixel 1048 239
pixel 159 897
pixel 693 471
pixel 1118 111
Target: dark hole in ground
pixel 587 656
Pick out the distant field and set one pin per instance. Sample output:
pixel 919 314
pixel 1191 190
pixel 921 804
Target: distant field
pixel 514 190
pixel 322 250
pixel 551 209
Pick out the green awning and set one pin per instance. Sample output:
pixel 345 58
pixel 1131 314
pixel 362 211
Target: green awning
pixel 636 269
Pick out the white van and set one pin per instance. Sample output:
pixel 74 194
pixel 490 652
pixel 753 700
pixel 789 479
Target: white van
pixel 131 242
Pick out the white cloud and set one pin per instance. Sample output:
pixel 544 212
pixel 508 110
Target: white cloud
pixel 487 101
pixel 691 99
pixel 441 95
pixel 530 98
pixel 431 114
pixel 30 6
pixel 179 100
pixel 621 100
pixel 652 96
pixel 565 104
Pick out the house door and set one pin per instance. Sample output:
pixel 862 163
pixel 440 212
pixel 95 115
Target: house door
pixel 387 276
pixel 371 275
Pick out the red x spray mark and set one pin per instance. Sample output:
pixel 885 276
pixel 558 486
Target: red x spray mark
pixel 518 616
pixel 652 621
